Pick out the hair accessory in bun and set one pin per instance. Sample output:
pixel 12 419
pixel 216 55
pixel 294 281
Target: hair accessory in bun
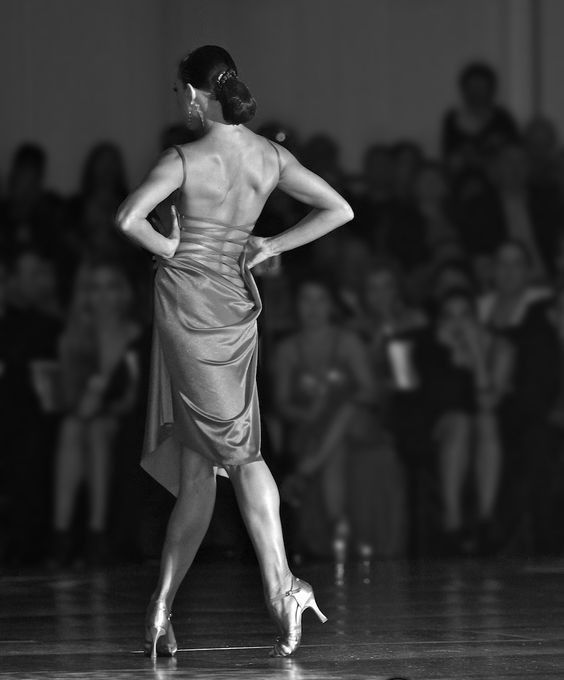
pixel 223 77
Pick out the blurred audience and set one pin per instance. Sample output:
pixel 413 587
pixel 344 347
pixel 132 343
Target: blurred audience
pixel 415 409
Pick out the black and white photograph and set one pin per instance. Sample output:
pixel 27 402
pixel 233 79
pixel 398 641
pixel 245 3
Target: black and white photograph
pixel 282 340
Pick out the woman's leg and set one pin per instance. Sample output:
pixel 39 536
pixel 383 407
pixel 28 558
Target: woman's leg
pixel 259 503
pixel 454 444
pixel 69 468
pixel 333 477
pixel 187 524
pixel 488 464
pixel 101 432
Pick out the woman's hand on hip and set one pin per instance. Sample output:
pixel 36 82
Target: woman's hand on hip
pixel 257 250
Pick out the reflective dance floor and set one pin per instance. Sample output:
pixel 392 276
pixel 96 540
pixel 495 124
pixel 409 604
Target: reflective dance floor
pixel 471 620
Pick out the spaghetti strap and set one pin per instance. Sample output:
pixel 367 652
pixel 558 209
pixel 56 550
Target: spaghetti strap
pixel 275 147
pixel 183 158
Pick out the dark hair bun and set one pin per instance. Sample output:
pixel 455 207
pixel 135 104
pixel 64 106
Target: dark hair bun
pixel 237 103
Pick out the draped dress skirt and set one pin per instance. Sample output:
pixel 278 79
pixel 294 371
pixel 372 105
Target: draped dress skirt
pixel 202 384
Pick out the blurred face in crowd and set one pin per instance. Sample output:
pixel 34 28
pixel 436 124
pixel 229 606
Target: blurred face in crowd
pixel 314 305
pixel 456 312
pixel 511 169
pixel 109 293
pixel 512 273
pixel 381 292
pixel 34 279
pixel 448 278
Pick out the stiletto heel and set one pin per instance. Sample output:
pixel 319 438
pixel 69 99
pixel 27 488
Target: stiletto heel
pixel 301 593
pixel 320 615
pixel 157 626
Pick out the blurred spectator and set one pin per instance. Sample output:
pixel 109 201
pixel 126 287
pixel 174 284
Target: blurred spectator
pixel 30 214
pixel 479 126
pixel 91 212
pixel 425 222
pixel 459 399
pixel 99 386
pixel 31 380
pixel 388 325
pixel 513 208
pixel 516 313
pixel 320 372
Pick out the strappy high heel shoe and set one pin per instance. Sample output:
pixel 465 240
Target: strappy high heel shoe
pixel 159 635
pixel 294 603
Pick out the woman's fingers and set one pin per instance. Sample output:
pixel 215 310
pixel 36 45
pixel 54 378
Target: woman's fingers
pixel 175 221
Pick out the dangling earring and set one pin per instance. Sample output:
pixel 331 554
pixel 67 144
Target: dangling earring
pixel 194 105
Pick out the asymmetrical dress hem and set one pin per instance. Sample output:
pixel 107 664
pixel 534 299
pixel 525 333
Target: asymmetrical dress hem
pixel 202 379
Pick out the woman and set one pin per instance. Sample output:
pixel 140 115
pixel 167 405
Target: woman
pixel 203 413
pixel 320 372
pixel 390 326
pixel 99 384
pixel 461 392
pixel 516 314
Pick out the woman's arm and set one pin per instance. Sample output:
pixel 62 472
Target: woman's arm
pixel 330 210
pixel 131 217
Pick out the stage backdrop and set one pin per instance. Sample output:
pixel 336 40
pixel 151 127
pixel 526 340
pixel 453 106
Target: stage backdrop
pixel 75 72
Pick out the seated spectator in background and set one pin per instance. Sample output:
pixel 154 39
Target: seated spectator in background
pixel 374 206
pixel 378 477
pixel 418 227
pixel 516 314
pixel 459 397
pixel 479 125
pixel 32 333
pixel 513 209
pixel 320 372
pixel 33 287
pixel 30 214
pixel 99 332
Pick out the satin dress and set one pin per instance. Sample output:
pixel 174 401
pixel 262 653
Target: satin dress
pixel 202 382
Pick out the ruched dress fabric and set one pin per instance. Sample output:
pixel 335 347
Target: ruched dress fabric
pixel 202 383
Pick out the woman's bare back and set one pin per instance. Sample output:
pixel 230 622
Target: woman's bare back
pixel 229 176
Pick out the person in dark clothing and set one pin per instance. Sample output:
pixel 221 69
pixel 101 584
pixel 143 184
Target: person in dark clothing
pixel 472 131
pixel 31 336
pixel 513 208
pixel 516 313
pixel 30 214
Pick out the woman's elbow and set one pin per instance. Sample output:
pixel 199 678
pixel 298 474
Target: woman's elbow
pixel 345 211
pixel 124 219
